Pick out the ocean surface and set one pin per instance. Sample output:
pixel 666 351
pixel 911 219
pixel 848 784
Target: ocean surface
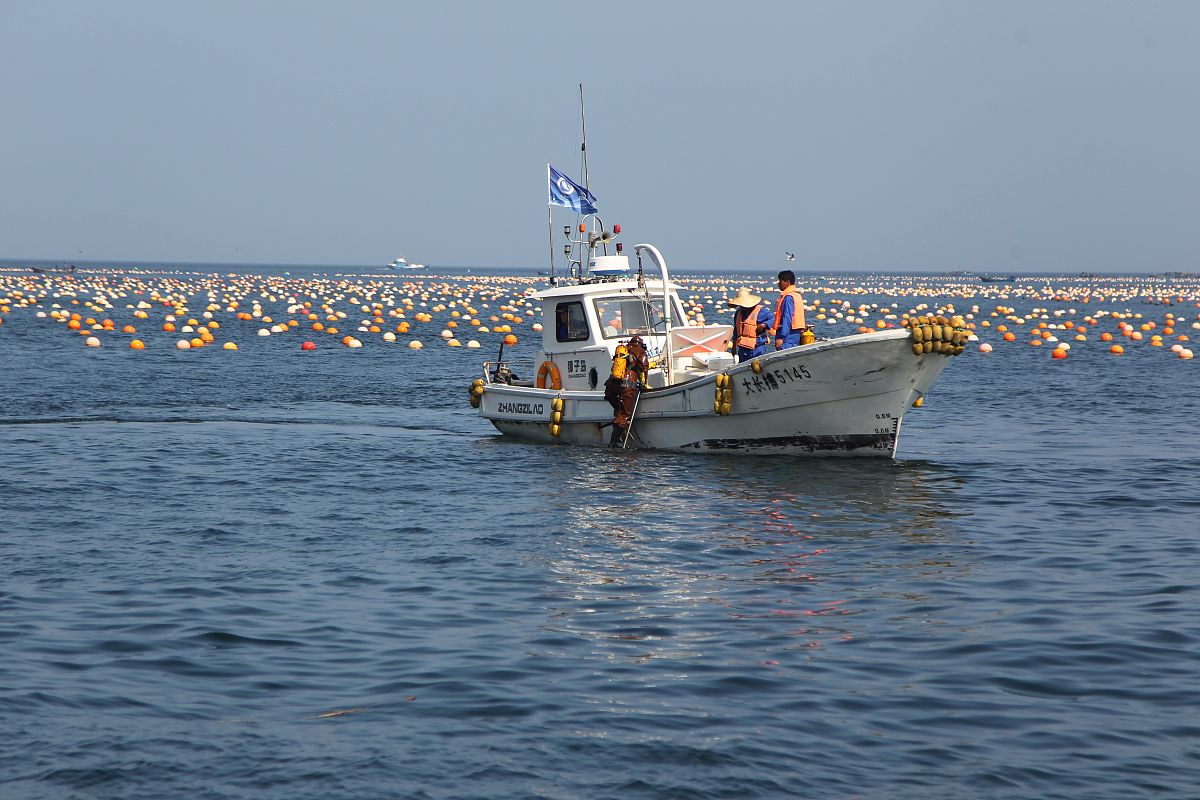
pixel 283 574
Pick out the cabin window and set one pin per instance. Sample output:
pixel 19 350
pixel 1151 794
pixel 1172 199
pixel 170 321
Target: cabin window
pixel 621 317
pixel 570 322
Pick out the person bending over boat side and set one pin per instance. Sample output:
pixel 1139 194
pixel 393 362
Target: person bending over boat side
pixel 789 312
pixel 751 325
pixel 630 365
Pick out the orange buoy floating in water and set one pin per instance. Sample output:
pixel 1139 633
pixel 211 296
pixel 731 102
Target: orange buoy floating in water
pixel 1058 354
pixel 137 344
pixel 510 339
pixel 1116 350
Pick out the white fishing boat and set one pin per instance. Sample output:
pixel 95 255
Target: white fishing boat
pixel 402 263
pixel 844 396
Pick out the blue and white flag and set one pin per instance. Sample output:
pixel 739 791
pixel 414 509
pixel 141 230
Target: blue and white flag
pixel 566 192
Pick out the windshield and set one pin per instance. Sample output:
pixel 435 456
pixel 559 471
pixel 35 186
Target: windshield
pixel 622 317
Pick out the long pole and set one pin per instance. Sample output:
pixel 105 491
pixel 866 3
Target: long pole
pixel 632 414
pixel 583 146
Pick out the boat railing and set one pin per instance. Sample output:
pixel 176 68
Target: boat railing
pixel 503 372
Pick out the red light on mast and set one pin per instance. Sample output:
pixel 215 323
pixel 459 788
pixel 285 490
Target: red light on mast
pixel 616 228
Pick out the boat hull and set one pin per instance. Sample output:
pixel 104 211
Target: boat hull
pixel 842 397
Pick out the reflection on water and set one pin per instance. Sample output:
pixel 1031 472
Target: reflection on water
pixel 686 555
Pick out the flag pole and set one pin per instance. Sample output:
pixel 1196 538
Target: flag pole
pixel 550 226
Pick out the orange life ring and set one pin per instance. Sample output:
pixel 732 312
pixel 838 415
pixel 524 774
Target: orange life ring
pixel 549 368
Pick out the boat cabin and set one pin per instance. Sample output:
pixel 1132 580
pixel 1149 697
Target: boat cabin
pixel 584 323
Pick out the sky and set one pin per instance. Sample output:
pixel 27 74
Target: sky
pixel 1046 136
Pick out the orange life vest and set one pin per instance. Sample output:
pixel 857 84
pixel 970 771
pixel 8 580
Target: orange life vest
pixel 797 309
pixel 747 329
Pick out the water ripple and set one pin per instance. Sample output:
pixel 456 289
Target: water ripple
pixel 358 590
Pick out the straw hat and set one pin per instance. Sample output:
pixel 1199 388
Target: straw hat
pixel 745 299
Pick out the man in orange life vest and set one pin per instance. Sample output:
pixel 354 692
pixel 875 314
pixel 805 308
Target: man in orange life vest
pixel 789 312
pixel 751 326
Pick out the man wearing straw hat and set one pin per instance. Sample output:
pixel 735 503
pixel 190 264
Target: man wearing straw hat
pixel 751 325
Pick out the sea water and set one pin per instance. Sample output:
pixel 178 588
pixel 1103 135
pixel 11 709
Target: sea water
pixel 286 574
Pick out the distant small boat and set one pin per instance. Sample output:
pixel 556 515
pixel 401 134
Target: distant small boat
pixel 402 263
pixel 997 278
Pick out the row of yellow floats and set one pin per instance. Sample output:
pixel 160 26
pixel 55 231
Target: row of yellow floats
pixel 723 399
pixel 556 416
pixel 937 335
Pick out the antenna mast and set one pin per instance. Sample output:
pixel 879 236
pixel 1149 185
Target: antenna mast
pixel 583 146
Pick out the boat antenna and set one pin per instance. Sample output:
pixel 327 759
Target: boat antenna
pixel 586 186
pixel 583 145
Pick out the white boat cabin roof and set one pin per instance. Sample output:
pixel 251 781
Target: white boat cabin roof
pixel 581 290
